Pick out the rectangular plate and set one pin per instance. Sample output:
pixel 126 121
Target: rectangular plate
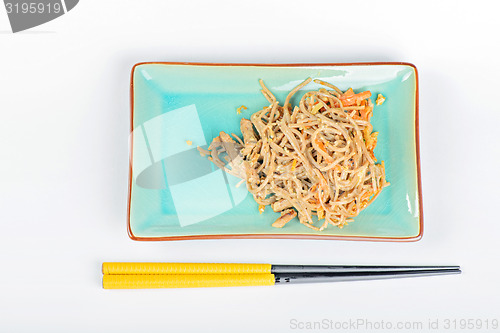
pixel 175 194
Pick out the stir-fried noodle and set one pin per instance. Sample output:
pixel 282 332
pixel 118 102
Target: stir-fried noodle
pixel 313 159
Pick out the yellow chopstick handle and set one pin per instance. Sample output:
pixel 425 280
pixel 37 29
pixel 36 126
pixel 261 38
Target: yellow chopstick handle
pixel 183 268
pixel 185 281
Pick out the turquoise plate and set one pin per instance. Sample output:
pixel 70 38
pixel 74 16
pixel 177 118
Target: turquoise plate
pixel 174 193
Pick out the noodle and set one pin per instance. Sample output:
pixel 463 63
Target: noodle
pixel 318 160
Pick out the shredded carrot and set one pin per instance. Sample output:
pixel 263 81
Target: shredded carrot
pixel 238 110
pixel 366 195
pixel 321 146
pixel 350 100
pixel 349 92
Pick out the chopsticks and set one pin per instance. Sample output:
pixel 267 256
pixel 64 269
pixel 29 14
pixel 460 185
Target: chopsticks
pixel 119 275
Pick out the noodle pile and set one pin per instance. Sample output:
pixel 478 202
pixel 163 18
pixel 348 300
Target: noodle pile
pixel 313 160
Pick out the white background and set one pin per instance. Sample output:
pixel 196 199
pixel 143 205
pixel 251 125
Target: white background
pixel 64 122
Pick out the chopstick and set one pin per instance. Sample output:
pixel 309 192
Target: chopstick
pixel 132 281
pixel 226 268
pixel 195 275
pixel 183 268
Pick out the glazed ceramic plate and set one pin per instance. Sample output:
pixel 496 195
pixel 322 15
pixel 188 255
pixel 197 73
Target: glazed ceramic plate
pixel 177 194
